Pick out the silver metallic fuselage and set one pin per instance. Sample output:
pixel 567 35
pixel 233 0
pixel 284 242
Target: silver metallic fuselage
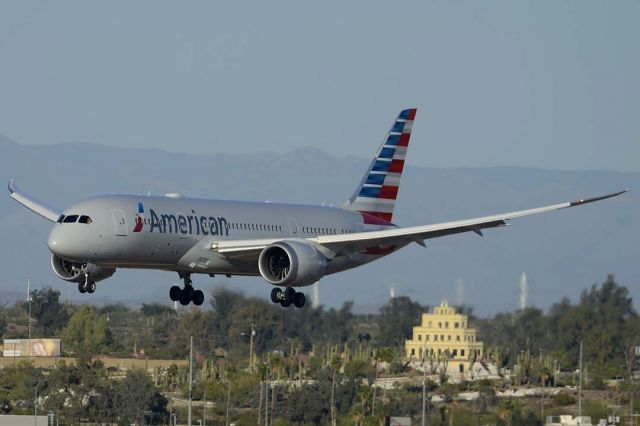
pixel 173 228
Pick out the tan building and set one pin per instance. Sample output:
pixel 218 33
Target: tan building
pixel 445 337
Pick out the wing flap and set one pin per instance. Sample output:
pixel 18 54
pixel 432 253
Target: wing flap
pixel 32 204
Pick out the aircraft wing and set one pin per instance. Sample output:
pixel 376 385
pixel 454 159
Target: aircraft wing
pixel 333 245
pixel 32 204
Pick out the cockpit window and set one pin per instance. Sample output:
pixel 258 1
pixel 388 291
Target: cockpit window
pixel 61 218
pixel 70 219
pixel 85 219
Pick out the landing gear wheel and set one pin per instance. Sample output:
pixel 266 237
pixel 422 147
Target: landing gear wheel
pixel 276 295
pixel 186 295
pixel 81 288
pixel 184 298
pixel 198 297
pixel 299 300
pixel 289 294
pixel 288 297
pixel 174 293
pixel 285 303
pixel 91 287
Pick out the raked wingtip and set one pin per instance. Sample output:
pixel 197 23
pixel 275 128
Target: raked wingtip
pixel 12 185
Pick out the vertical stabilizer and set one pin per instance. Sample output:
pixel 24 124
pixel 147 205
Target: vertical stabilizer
pixel 376 195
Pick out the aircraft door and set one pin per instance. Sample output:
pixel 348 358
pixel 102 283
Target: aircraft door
pixel 293 228
pixel 120 222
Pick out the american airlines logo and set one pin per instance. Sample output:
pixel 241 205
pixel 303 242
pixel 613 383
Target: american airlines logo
pixel 139 219
pixel 181 223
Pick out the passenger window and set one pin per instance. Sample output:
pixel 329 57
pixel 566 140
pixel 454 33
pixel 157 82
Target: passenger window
pixel 71 218
pixel 85 219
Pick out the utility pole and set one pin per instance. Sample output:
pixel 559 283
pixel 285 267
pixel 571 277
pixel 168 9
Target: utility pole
pixel 35 405
pixel 424 386
pixel 580 388
pixel 253 333
pixel 616 421
pixel 266 397
pixel 542 393
pixel 29 300
pixel 190 379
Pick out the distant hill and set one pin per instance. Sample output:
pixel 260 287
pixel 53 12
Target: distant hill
pixel 561 252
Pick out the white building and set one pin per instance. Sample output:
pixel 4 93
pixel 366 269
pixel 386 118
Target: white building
pixel 567 420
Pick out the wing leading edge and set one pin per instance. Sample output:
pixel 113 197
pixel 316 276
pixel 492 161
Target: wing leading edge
pixel 334 244
pixel 32 204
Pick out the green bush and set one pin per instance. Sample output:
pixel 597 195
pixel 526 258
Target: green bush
pixel 563 399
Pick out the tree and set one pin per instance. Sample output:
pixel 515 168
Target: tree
pixel 307 404
pixel 3 323
pixel 155 309
pixel 87 332
pixel 136 397
pixel 603 320
pixel 193 322
pixel 231 374
pixel 382 355
pixel 336 363
pixel 397 319
pixel 19 381
pixel 359 369
pixel 47 310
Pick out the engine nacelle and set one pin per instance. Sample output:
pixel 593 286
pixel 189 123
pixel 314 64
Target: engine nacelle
pixel 292 263
pixel 76 272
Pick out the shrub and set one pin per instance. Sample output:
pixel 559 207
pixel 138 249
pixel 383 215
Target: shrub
pixel 563 399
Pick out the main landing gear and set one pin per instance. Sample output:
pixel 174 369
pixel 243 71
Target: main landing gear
pixel 288 296
pixel 87 286
pixel 186 294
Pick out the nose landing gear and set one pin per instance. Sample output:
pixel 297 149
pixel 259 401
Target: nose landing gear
pixel 87 286
pixel 287 297
pixel 187 294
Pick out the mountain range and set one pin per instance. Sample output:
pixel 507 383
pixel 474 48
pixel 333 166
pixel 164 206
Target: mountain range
pixel 562 253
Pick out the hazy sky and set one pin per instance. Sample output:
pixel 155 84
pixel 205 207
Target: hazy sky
pixel 550 84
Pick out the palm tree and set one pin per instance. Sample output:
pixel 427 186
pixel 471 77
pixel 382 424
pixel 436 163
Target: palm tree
pixel 262 373
pixel 172 376
pixel 357 414
pixel 231 374
pixel 364 392
pixel 382 355
pixel 336 363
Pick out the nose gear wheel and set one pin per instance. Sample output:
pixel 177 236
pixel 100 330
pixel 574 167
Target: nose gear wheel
pixel 87 286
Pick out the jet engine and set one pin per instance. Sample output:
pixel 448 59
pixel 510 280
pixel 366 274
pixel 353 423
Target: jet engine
pixel 76 271
pixel 292 263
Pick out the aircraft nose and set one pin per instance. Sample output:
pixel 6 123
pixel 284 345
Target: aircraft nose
pixel 55 240
pixel 60 244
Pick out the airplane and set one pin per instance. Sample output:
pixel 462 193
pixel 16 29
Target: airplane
pixel 289 245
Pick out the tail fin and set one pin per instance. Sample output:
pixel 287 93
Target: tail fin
pixel 375 197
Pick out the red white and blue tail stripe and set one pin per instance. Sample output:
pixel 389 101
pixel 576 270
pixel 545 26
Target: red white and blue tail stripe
pixel 376 196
